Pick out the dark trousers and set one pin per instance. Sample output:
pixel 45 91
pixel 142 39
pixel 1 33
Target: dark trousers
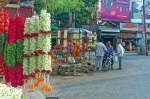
pixel 120 62
pixel 112 62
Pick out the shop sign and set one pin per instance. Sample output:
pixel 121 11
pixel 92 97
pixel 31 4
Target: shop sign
pixel 131 35
pixel 129 26
pixel 115 10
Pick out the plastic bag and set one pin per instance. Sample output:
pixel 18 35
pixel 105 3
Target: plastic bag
pixel 71 60
pixel 115 59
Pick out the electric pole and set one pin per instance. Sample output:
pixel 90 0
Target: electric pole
pixel 144 24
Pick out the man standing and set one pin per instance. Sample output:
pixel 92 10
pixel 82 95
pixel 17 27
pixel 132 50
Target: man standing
pixel 99 54
pixel 110 51
pixel 120 53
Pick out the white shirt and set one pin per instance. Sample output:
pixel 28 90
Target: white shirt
pixel 100 49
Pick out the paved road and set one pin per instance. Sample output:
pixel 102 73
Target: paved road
pixel 133 82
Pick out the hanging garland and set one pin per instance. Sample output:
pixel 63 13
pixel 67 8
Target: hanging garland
pixel 13 66
pixel 30 46
pixel 45 45
pixel 85 37
pixel 3 30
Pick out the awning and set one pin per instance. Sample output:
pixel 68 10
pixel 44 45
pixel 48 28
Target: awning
pixel 108 29
pixel 108 34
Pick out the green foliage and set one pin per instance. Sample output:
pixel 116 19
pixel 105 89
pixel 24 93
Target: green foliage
pixel 84 9
pixel 56 7
pixel 86 13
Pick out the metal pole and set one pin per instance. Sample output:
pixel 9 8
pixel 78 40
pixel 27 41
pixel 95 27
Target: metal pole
pixel 145 28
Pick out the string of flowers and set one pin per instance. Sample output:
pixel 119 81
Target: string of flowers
pixel 13 66
pixel 11 53
pixel 85 37
pixel 19 51
pixel 3 30
pixel 26 49
pixel 44 49
pixel 30 49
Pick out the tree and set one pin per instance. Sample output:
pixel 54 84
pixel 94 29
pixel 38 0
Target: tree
pixel 86 13
pixel 56 7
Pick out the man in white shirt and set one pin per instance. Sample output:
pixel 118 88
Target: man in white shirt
pixel 120 53
pixel 99 54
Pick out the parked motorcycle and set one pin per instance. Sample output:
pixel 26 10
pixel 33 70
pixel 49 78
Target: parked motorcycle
pixel 106 63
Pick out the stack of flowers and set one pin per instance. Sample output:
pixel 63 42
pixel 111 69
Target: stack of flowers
pixel 13 68
pixel 3 30
pixel 10 92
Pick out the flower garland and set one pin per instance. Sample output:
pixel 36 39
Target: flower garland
pixel 4 21
pixel 13 66
pixel 44 49
pixel 85 37
pixel 19 51
pixel 45 39
pixel 37 54
pixel 30 46
pixel 10 92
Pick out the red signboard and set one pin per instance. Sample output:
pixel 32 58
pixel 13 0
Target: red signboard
pixel 24 11
pixel 127 35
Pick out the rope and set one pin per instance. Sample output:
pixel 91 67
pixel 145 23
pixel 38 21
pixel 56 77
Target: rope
pixel 17 12
pixel 45 5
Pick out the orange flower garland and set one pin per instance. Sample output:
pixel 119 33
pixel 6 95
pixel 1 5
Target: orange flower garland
pixel 46 88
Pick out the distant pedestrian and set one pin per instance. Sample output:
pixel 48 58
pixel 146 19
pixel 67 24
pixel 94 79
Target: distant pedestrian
pixel 110 51
pixel 99 54
pixel 123 44
pixel 120 53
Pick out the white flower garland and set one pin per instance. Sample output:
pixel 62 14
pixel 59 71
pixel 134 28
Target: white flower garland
pixel 25 66
pixel 30 44
pixel 9 92
pixel 26 46
pixel 32 64
pixel 45 42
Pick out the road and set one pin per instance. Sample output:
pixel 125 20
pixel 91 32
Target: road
pixel 132 82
